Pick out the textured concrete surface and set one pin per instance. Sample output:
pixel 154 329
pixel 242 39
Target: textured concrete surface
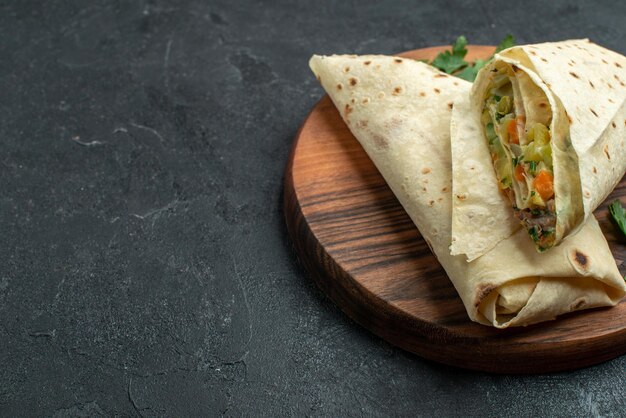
pixel 146 269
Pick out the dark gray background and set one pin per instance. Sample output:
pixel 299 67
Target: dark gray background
pixel 145 266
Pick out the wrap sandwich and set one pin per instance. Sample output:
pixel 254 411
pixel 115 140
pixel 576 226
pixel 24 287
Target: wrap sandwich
pixel 552 118
pixel 400 110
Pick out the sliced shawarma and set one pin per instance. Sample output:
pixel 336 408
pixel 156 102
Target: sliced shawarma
pixel 553 119
pixel 400 110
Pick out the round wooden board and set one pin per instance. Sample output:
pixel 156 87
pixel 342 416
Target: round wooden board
pixel 364 252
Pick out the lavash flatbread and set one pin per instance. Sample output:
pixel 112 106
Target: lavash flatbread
pixel 400 110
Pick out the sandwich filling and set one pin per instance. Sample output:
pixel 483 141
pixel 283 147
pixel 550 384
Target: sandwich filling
pixel 516 119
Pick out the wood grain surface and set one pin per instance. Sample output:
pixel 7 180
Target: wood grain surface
pixel 364 252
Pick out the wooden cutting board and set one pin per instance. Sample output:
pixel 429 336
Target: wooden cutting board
pixel 364 252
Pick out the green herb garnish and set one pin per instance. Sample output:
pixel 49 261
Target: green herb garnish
pixel 453 62
pixel 619 215
pixel 471 71
pixel 507 42
pixel 533 234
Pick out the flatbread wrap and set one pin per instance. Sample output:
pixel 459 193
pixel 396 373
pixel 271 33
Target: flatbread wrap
pixel 553 119
pixel 400 110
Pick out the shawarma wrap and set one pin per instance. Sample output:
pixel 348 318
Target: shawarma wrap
pixel 399 110
pixel 552 118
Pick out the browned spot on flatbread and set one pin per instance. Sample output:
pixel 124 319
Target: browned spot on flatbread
pixel 422 94
pixel 431 203
pixel 318 78
pixel 367 62
pixel 353 100
pixel 450 105
pixel 346 69
pixel 569 119
pixel 398 60
pixel 591 84
pixel 617 64
pixel 483 291
pixel 595 170
pixel 456 83
pixel 393 123
pixel 532 52
pixel 380 142
pixel 571 65
pixel 437 91
pixel 397 91
pixel 606 152
pixel 441 75
pixel 609 84
pixel 580 259
pixel 426 170
pixel 362 123
pixel 543 104
pixel 339 86
pixel 347 110
pixel 353 81
pixel 573 74
pixel 543 59
pixel 445 189
pixel 604 61
pixel 461 196
pixel 594 112
pixel 613 125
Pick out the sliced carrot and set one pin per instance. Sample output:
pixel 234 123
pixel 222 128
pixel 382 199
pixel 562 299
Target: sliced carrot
pixel 519 172
pixel 511 128
pixel 544 184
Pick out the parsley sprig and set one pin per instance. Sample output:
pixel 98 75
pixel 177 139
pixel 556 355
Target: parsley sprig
pixel 453 61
